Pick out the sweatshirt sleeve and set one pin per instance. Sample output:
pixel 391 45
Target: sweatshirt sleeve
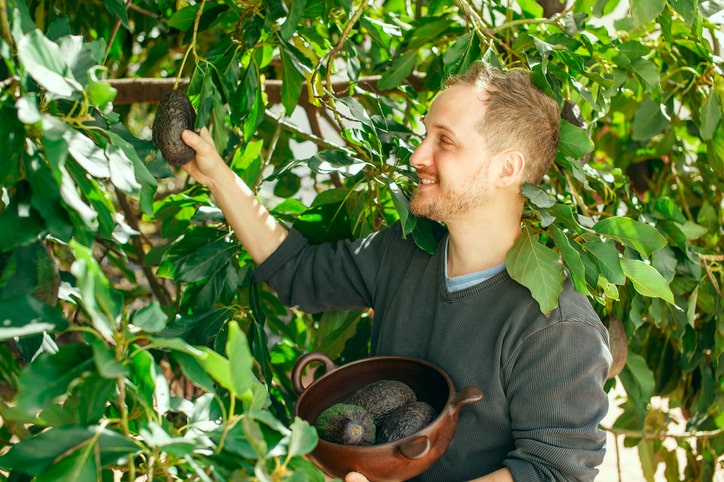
pixel 556 398
pixel 323 277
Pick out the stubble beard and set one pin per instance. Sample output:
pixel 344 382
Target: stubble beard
pixel 451 203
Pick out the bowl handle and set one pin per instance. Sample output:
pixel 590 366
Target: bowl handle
pixel 466 396
pixel 302 363
pixel 415 448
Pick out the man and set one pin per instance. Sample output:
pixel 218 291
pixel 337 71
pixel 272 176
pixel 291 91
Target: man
pixel 488 132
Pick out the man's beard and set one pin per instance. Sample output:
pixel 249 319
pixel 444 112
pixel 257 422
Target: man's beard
pixel 448 203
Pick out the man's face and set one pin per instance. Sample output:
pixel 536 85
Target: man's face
pixel 452 161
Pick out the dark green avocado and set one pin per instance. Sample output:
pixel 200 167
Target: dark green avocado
pixel 382 397
pixel 405 421
pixel 175 113
pixel 347 424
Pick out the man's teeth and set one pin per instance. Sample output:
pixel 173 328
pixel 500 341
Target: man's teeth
pixel 427 181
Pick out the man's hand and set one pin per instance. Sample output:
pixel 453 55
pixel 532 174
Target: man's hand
pixel 355 477
pixel 208 164
pixel 502 475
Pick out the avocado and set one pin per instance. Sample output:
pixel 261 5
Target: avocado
pixel 348 424
pixel 382 397
pixel 405 421
pixel 175 113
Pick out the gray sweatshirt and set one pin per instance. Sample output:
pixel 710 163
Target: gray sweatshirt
pixel 542 377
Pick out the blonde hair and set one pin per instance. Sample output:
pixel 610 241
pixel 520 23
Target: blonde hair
pixel 518 115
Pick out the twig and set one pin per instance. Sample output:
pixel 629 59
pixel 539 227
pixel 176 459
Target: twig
pixel 332 53
pixel 5 26
pixel 114 32
pixel 302 134
pixel 192 45
pixel 704 435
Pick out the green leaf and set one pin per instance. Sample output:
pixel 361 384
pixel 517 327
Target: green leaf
pixel 193 370
pixel 78 466
pixel 151 318
pixel 632 233
pixel 36 454
pixel 538 268
pixel 639 381
pixel 50 375
pixel 572 260
pixel 574 143
pixel 648 73
pixel 648 121
pixel 88 154
pixel 184 19
pixel 142 174
pixel 607 260
pixel 240 360
pixel 644 11
pixel 290 24
pixel 303 438
pixel 400 69
pixel 335 329
pixel 43 60
pixel 26 315
pixel 687 9
pixel 46 198
pixel 292 79
pixel 217 366
pixel 715 150
pixel 402 205
pixel 205 261
pixel 105 360
pixel 122 171
pixel 86 403
pixel 710 114
pixel 357 110
pixel 99 92
pixel 538 196
pixel 646 280
pixel 96 295
pixel 118 9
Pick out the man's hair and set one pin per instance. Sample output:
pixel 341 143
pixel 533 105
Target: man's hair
pixel 518 115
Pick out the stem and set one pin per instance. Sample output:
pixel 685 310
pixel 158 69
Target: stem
pixel 114 32
pixel 156 287
pixel 233 419
pixel 270 152
pixel 302 134
pixel 705 435
pixel 5 26
pixel 192 45
pixel 331 54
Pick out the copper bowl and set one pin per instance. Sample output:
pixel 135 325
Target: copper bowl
pixel 394 461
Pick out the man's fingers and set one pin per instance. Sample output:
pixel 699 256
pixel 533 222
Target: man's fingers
pixel 206 135
pixel 355 477
pixel 191 139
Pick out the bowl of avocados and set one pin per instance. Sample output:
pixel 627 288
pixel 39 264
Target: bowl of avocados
pixel 388 417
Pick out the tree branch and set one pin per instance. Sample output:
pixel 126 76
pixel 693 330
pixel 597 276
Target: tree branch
pixel 150 90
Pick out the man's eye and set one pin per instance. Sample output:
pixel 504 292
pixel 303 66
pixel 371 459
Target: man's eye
pixel 445 141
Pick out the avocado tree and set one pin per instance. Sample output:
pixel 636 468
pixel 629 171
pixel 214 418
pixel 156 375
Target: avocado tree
pixel 133 340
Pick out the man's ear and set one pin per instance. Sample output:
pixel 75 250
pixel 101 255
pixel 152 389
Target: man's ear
pixel 511 167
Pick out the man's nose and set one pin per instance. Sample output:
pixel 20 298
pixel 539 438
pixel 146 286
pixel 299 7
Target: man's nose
pixel 422 156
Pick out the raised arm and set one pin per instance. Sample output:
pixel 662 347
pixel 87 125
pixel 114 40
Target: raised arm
pixel 255 228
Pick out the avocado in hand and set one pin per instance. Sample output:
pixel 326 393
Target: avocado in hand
pixel 175 114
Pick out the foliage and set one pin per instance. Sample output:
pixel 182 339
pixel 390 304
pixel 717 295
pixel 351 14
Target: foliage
pixel 142 345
